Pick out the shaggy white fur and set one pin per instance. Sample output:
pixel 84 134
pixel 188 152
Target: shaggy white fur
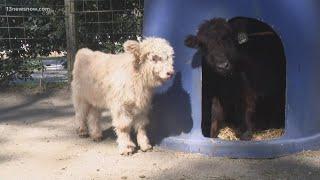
pixel 122 83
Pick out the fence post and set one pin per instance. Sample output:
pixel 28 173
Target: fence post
pixel 70 35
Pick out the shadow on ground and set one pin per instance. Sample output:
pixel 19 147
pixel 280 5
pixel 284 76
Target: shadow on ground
pixel 232 169
pixel 37 114
pixel 171 112
pixel 109 134
pixel 30 110
pixel 5 157
pixel 30 99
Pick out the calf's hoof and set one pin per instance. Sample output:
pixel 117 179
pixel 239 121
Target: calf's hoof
pixel 83 133
pixel 127 150
pixel 97 138
pixel 146 147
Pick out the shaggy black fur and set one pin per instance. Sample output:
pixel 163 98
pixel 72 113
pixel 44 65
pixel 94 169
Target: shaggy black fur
pixel 242 82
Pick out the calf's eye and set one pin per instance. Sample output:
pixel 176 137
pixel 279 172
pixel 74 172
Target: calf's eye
pixel 156 58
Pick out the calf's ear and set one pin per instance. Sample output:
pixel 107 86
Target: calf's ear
pixel 132 47
pixel 192 41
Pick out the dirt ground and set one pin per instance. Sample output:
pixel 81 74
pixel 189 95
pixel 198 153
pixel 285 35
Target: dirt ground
pixel 38 141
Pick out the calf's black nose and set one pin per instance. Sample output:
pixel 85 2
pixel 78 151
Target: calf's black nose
pixel 170 74
pixel 224 65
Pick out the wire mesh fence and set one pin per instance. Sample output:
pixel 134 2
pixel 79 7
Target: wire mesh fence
pixel 33 40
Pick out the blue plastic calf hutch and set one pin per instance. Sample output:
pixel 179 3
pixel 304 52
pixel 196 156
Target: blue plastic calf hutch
pixel 176 112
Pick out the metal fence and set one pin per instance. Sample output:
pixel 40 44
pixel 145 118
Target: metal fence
pixel 30 29
pixel 106 21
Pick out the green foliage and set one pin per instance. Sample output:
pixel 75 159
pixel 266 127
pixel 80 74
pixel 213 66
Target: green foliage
pixel 17 68
pixel 113 47
pixel 107 30
pixel 38 33
pixel 32 34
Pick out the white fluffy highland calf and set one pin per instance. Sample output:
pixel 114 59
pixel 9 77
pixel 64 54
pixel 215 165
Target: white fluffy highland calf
pixel 122 83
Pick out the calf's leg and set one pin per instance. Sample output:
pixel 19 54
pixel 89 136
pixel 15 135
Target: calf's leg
pixel 94 124
pixel 249 110
pixel 122 122
pixel 81 112
pixel 217 117
pixel 142 138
